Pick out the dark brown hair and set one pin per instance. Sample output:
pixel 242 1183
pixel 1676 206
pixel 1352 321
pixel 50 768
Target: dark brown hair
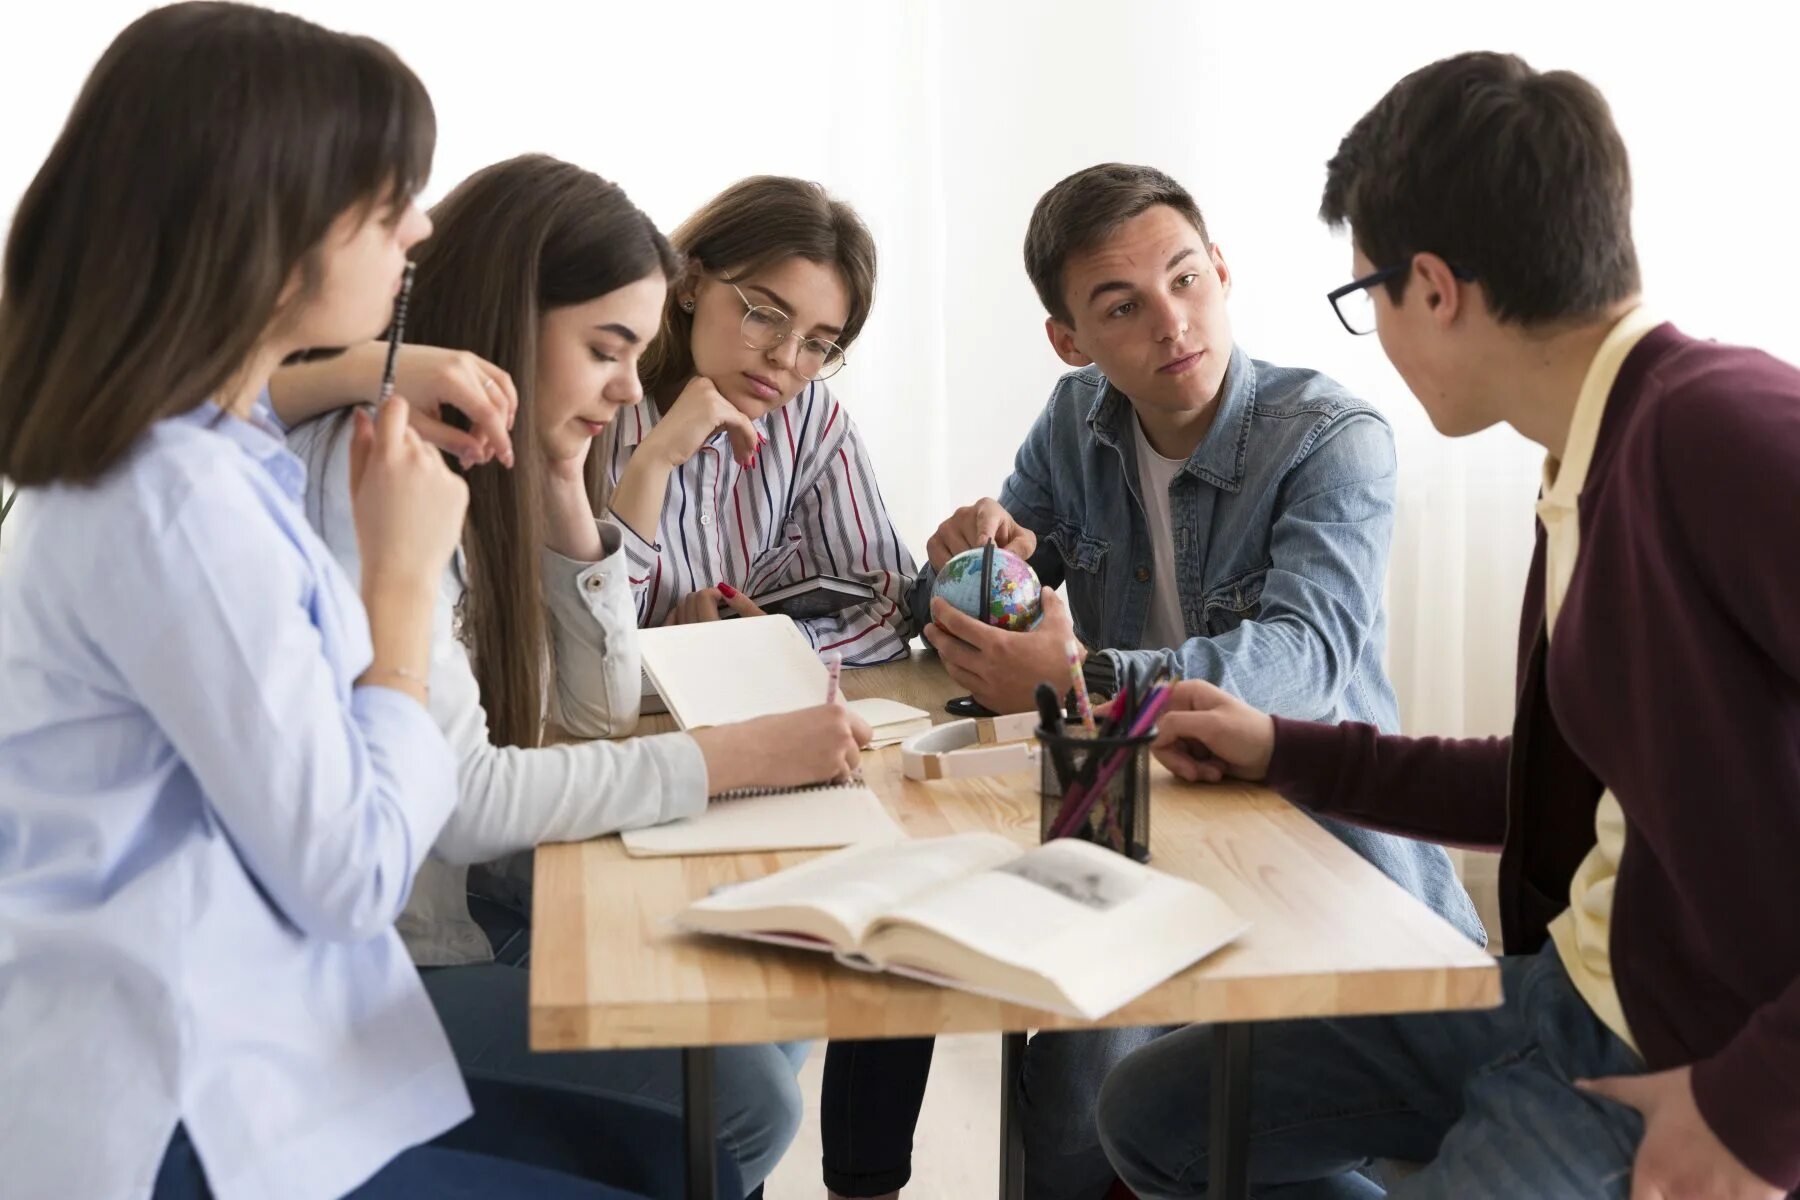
pixel 207 156
pixel 513 241
pixel 1084 210
pixel 1514 175
pixel 753 224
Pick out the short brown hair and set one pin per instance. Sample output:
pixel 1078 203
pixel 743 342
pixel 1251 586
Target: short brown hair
pixel 753 224
pixel 1083 210
pixel 208 154
pixel 1514 175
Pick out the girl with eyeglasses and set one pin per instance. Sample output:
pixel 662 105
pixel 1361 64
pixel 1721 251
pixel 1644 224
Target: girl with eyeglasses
pixel 743 471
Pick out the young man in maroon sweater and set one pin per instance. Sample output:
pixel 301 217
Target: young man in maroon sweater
pixel 1647 802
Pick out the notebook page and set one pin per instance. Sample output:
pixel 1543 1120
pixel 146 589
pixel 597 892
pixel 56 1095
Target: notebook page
pixel 717 672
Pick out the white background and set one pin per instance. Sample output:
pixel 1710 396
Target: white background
pixel 944 122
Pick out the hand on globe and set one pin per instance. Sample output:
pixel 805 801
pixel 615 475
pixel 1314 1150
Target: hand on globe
pixel 975 525
pixel 1002 668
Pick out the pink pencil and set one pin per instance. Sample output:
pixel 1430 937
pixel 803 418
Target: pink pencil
pixel 1083 705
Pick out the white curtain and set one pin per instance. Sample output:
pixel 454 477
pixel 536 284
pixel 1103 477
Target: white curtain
pixel 944 122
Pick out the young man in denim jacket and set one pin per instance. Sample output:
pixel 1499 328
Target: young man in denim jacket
pixel 1219 516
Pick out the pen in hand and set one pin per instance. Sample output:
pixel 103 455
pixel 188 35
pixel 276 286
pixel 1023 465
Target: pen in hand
pixel 396 330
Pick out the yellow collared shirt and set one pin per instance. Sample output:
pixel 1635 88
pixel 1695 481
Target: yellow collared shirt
pixel 1583 932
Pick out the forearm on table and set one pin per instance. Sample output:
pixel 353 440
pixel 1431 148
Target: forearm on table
pixel 1448 790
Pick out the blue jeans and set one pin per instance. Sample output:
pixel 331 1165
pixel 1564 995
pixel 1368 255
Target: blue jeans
pixel 1058 1088
pixel 421 1171
pixel 504 1151
pixel 1486 1098
pixel 757 1097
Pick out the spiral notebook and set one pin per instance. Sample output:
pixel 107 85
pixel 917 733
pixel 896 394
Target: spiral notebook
pixel 822 817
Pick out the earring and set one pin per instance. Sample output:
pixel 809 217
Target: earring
pixel 687 306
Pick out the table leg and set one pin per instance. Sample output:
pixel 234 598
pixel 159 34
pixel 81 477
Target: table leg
pixel 698 1121
pixel 1230 1136
pixel 1012 1128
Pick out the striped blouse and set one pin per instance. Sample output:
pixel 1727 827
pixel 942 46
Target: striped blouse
pixel 810 506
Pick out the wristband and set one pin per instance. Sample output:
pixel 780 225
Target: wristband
pixel 412 677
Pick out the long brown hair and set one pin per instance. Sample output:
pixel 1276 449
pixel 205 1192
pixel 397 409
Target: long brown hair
pixel 754 224
pixel 513 241
pixel 207 156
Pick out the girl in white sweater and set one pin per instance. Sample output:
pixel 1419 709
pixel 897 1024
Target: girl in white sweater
pixel 542 285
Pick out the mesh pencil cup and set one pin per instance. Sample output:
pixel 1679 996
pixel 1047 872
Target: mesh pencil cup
pixel 1096 789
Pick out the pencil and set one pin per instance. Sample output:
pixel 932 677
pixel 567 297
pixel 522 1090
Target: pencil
pixel 1146 720
pixel 1083 705
pixel 396 329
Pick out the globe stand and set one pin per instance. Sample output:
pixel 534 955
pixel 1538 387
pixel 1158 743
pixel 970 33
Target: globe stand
pixel 968 706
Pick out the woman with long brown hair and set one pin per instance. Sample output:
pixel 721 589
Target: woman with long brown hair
pixel 744 472
pixel 544 280
pixel 217 773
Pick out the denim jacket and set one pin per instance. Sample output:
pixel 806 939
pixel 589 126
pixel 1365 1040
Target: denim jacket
pixel 1281 518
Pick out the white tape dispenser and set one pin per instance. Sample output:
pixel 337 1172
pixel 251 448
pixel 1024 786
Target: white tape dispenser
pixel 965 749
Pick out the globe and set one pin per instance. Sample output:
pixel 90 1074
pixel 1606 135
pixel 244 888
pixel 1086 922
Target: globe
pixel 1013 600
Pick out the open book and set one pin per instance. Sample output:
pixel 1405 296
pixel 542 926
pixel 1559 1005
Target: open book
pixel 717 672
pixel 1066 926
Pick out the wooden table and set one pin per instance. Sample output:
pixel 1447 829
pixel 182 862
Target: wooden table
pixel 1330 936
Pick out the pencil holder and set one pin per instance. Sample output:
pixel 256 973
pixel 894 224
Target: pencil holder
pixel 1096 789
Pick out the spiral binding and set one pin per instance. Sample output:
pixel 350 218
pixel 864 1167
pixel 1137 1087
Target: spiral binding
pixel 752 793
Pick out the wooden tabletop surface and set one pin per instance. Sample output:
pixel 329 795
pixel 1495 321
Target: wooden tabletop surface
pixel 1330 935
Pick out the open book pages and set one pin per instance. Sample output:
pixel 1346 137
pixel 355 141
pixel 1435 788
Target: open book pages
pixel 717 672
pixel 816 818
pixel 1066 926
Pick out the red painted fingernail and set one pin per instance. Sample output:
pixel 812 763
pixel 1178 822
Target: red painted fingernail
pixel 727 591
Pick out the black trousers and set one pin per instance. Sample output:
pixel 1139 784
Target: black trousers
pixel 868 1111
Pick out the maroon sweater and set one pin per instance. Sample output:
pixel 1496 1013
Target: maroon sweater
pixel 1674 680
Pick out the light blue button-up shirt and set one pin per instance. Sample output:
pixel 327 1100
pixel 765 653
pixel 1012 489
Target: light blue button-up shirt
pixel 206 832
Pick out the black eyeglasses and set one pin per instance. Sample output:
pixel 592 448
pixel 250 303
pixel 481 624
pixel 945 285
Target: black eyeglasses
pixel 1355 306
